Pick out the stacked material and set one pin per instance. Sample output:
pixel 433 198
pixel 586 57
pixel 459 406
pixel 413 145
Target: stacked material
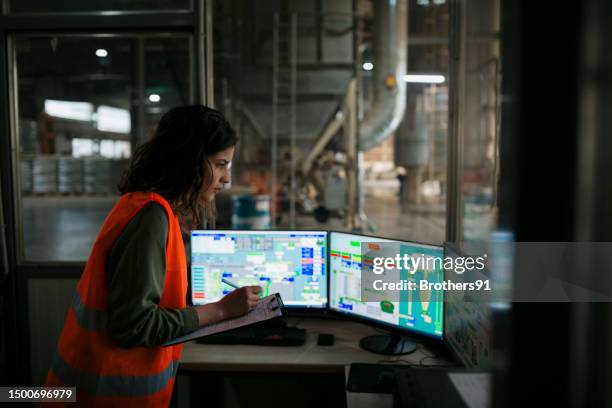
pixel 26 175
pixel 28 133
pixel 44 175
pixel 70 175
pixel 98 176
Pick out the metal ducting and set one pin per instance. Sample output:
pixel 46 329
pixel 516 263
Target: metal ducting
pixel 390 49
pixel 412 146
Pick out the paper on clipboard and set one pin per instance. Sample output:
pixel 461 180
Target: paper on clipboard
pixel 267 308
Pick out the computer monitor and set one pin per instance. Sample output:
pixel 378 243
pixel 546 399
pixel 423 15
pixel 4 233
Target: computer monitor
pixel 467 319
pixel 402 312
pixel 292 263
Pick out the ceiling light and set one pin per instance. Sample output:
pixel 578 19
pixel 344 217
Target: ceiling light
pixel 425 79
pixel 115 120
pixel 101 52
pixel 69 109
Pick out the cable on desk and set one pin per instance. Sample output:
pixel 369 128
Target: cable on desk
pixel 420 363
pixel 400 361
pixel 411 364
pixel 432 355
pixel 426 351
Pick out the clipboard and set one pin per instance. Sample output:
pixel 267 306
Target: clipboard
pixel 268 308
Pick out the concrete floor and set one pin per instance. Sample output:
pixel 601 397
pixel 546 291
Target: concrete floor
pixel 65 228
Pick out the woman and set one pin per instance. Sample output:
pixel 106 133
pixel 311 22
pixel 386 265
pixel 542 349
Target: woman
pixel 131 296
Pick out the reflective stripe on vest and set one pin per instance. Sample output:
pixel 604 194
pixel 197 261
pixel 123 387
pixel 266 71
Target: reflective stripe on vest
pixel 88 318
pixel 112 386
pixel 86 357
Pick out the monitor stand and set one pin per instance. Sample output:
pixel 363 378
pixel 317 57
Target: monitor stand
pixel 391 344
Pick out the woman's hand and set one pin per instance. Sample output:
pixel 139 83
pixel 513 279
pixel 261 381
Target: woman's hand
pixel 239 301
pixel 233 304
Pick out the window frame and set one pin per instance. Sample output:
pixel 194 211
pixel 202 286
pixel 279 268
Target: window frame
pixel 196 23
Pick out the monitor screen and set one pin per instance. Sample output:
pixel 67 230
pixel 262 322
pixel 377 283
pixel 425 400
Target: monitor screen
pixel 409 310
pixel 292 263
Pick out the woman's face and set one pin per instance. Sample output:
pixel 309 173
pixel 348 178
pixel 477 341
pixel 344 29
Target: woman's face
pixel 220 163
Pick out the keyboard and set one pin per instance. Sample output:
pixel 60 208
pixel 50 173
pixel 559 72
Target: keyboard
pixel 258 335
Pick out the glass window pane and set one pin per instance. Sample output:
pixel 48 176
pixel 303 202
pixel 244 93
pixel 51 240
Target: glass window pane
pixel 406 176
pixel 413 156
pixel 69 6
pixel 481 101
pixel 85 104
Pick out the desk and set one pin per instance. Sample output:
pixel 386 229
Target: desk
pixel 306 359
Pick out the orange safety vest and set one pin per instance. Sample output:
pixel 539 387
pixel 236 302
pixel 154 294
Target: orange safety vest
pixel 103 373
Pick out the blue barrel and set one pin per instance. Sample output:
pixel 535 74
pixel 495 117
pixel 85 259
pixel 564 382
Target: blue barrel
pixel 251 212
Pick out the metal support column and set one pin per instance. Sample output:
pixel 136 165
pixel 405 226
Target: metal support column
pixel 284 95
pixel 274 149
pixel 350 132
pixel 293 129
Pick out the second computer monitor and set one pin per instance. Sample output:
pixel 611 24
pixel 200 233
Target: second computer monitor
pixel 416 311
pixel 292 263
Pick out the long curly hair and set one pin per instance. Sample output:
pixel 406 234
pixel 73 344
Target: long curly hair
pixel 174 162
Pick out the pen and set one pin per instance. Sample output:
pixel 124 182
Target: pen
pixel 233 285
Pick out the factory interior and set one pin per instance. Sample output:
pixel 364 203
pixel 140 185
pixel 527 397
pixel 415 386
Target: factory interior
pixel 444 124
